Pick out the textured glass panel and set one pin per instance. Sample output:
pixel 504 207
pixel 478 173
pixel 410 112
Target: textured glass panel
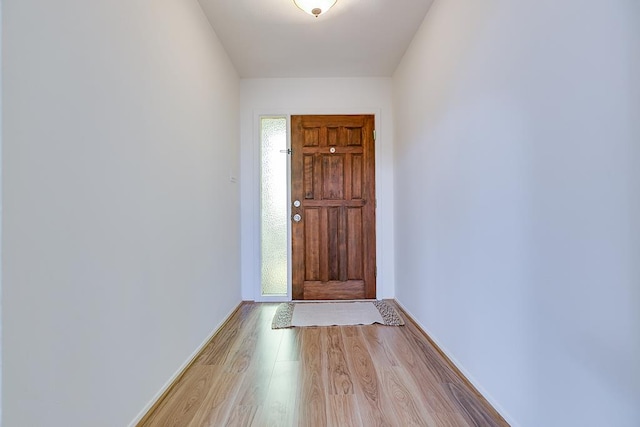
pixel 274 206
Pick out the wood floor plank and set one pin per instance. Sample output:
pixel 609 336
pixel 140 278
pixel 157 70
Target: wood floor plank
pixel 242 415
pixel 256 359
pixel 258 364
pixel 244 352
pixel 279 408
pixel 425 374
pixel 404 405
pixel 313 406
pixel 251 375
pixel 427 355
pixel 343 411
pixel 216 407
pixel 227 340
pixel 368 389
pixel 181 405
pixel 339 382
pixel 474 413
pixel 289 345
pixel 379 345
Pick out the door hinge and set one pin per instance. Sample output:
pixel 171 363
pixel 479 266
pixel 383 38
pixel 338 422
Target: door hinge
pixel 375 274
pixel 374 134
pixel 287 151
pixel 376 203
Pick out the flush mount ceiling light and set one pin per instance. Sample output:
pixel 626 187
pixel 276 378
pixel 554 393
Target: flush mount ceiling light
pixel 315 7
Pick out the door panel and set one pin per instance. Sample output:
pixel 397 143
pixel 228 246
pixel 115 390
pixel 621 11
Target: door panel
pixel 333 177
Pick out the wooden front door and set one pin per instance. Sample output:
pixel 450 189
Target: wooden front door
pixel 333 207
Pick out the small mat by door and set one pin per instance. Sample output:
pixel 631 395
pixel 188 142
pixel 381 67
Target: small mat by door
pixel 335 314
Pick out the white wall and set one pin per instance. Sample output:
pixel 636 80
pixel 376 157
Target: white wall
pixel 517 193
pixel 120 228
pixel 1 133
pixel 315 96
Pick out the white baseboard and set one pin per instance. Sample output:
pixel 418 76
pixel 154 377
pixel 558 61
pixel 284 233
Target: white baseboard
pixel 182 367
pixel 461 368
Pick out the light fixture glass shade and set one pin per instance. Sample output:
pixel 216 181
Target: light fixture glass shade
pixel 315 7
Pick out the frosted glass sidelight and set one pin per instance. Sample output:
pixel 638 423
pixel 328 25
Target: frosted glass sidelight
pixel 273 143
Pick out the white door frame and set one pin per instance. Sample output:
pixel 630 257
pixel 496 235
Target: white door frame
pixel 252 263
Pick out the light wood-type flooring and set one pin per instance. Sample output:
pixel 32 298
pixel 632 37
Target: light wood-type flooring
pixel 251 375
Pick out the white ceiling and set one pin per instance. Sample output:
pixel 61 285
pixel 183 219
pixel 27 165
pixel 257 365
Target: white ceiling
pixel 356 38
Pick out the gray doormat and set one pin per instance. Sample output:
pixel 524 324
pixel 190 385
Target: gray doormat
pixel 306 314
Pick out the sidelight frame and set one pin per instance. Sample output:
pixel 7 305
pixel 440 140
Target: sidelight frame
pixel 259 291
